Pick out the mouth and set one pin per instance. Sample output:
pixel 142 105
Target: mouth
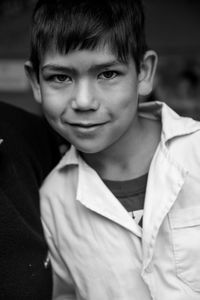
pixel 86 127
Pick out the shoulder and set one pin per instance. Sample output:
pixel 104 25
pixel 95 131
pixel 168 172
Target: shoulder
pixel 17 117
pixel 27 138
pixel 184 149
pixel 21 173
pixel 60 181
pixel 59 192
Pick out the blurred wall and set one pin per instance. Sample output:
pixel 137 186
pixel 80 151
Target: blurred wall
pixel 173 30
pixel 15 16
pixel 173 26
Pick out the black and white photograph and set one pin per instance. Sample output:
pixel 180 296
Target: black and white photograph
pixel 99 150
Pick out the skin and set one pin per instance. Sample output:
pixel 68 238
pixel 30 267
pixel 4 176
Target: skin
pixel 91 99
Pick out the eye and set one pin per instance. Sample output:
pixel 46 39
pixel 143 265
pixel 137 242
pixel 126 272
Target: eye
pixel 108 75
pixel 61 78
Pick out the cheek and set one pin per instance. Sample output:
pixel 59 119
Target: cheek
pixel 52 105
pixel 128 91
pixel 126 101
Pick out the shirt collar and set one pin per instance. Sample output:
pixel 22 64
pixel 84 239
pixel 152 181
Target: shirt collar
pixel 173 125
pixel 89 185
pixel 71 157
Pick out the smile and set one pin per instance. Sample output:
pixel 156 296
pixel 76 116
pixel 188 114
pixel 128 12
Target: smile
pixel 86 127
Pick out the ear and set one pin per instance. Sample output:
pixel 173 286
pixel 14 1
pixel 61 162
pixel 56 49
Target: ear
pixel 33 80
pixel 147 72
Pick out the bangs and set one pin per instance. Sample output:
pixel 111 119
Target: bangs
pixel 83 27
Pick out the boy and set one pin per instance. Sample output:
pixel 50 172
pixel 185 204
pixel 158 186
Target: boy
pixel 121 210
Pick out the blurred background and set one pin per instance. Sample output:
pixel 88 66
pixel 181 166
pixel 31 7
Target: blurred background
pixel 172 29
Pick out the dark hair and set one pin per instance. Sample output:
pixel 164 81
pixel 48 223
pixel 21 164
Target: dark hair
pixel 67 25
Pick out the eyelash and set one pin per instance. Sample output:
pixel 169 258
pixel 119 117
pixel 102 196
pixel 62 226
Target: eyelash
pixel 55 78
pixel 114 73
pixel 64 78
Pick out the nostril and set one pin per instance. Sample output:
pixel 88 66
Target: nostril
pixel 85 103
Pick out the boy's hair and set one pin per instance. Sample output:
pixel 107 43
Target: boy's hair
pixel 65 25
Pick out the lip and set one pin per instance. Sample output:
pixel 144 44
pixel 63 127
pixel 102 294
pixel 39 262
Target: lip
pixel 86 127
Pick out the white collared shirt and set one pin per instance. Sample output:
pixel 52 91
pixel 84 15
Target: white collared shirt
pixel 98 251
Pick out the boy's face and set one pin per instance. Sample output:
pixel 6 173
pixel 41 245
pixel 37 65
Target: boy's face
pixel 90 98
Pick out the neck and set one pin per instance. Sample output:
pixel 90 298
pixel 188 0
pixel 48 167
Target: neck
pixel 129 158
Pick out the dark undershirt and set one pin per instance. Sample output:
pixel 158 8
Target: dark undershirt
pixel 131 194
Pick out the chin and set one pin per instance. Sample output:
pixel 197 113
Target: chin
pixel 88 149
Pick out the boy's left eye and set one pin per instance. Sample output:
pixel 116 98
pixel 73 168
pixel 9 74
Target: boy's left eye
pixel 108 75
pixel 61 78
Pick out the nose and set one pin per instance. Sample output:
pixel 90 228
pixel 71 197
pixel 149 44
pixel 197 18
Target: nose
pixel 84 98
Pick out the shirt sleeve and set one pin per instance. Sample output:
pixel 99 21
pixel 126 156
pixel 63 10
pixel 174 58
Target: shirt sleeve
pixel 63 286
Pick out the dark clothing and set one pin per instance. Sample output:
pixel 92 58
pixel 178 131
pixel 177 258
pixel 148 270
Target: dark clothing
pixel 27 154
pixel 130 193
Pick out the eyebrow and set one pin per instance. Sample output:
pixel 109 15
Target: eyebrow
pixel 96 67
